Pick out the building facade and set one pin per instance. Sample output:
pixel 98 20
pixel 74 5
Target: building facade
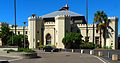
pixel 52 27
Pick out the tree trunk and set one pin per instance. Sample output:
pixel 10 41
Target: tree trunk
pixel 104 36
pixel 100 39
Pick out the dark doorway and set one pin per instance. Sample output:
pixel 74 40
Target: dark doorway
pixel 48 39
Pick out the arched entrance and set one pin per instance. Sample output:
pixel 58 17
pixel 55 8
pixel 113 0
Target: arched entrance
pixel 48 39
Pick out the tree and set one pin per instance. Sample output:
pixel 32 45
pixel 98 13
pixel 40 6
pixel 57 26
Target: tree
pixel 72 40
pixel 5 34
pixel 102 20
pixel 10 39
pixel 18 40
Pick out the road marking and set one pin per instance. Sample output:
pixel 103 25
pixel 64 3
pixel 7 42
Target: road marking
pixel 101 59
pixel 15 59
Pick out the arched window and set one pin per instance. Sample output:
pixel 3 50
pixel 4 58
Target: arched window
pixel 48 39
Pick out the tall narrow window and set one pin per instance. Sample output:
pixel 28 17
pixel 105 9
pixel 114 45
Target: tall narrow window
pixel 97 41
pixel 48 39
pixel 96 31
pixel 26 32
pixel 18 32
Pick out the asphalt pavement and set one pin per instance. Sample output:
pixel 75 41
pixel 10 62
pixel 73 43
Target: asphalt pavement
pixel 61 57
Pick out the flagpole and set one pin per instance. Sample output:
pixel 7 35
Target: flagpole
pixel 67 9
pixel 15 14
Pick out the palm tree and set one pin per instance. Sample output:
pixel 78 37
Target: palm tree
pixel 101 19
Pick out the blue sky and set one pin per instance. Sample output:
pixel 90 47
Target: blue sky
pixel 40 7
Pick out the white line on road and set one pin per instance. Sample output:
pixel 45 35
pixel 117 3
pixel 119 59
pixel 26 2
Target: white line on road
pixel 104 61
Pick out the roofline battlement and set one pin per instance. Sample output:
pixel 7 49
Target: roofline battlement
pixel 61 16
pixel 35 17
pixel 113 17
pixel 49 23
pixel 19 27
pixel 84 25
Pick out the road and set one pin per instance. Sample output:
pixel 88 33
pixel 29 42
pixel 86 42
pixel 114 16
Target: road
pixel 58 57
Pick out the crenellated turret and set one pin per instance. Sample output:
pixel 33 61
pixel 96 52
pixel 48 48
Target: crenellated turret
pixel 34 29
pixel 62 26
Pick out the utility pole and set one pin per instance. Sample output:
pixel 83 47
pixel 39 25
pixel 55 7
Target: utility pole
pixel 24 32
pixel 87 21
pixel 15 14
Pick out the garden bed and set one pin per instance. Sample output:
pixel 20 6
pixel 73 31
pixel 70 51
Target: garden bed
pixel 22 53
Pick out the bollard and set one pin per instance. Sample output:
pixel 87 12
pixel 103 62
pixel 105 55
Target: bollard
pixel 99 53
pixel 82 51
pixel 91 52
pixel 114 57
pixel 65 50
pixel 108 54
pixel 72 50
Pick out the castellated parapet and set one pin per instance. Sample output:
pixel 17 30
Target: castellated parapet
pixel 84 25
pixel 49 23
pixel 61 16
pixel 31 17
pixel 20 27
pixel 91 25
pixel 114 17
pixel 34 18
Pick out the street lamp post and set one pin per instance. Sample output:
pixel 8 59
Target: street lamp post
pixel 12 34
pixel 93 33
pixel 54 36
pixel 38 42
pixel 73 44
pixel 24 32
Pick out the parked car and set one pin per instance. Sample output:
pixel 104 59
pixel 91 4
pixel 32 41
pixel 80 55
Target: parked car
pixel 50 49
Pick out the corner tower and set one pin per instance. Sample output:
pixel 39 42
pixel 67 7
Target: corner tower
pixel 34 31
pixel 62 25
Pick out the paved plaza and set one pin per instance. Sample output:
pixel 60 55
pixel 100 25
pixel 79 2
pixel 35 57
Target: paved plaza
pixel 58 57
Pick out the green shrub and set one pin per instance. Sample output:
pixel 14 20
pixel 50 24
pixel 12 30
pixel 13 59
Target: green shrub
pixel 41 46
pixel 72 40
pixel 97 46
pixel 107 47
pixel 25 50
pixel 87 45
